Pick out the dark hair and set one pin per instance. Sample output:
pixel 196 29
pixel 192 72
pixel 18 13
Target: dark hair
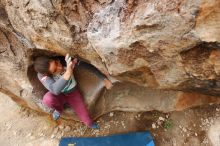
pixel 41 64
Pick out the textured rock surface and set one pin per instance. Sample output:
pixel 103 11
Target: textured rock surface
pixel 153 46
pixel 208 21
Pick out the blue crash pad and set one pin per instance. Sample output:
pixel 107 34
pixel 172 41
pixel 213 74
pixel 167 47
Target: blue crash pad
pixel 130 139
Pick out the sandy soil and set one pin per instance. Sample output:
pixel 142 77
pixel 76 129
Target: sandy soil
pixel 198 126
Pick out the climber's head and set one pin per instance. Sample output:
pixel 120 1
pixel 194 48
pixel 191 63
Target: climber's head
pixel 47 65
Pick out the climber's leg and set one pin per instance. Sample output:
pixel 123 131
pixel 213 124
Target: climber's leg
pixel 75 99
pixel 54 101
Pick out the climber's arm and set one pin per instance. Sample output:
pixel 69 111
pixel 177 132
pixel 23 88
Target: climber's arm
pixel 91 68
pixel 57 86
pixel 99 74
pixel 53 86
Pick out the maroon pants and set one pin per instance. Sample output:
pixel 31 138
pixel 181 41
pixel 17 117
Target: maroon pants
pixel 74 99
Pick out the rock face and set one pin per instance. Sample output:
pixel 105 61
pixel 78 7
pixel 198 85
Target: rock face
pixel 154 46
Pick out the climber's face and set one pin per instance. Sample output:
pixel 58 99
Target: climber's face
pixel 55 67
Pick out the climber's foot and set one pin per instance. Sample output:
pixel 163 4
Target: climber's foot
pixel 108 83
pixel 95 126
pixel 56 115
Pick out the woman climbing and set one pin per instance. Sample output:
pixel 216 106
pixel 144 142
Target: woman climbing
pixel 58 78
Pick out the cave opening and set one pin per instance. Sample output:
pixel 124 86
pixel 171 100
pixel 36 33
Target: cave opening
pixel 89 79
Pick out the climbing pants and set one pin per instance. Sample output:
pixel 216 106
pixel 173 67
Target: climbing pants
pixel 74 99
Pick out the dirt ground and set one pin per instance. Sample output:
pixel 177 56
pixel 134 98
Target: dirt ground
pixel 198 126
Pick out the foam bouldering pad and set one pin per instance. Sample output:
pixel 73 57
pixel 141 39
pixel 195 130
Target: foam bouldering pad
pixel 129 139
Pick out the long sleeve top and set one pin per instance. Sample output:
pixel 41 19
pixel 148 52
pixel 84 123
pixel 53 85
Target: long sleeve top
pixel 57 84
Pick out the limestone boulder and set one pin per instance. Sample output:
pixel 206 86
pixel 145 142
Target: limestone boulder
pixel 160 54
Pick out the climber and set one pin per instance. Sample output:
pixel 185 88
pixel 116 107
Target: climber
pixel 58 78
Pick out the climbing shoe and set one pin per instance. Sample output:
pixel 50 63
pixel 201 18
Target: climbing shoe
pixel 95 126
pixel 56 115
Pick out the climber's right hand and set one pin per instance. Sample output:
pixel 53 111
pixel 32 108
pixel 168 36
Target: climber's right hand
pixel 75 60
pixel 69 71
pixel 68 59
pixel 69 67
